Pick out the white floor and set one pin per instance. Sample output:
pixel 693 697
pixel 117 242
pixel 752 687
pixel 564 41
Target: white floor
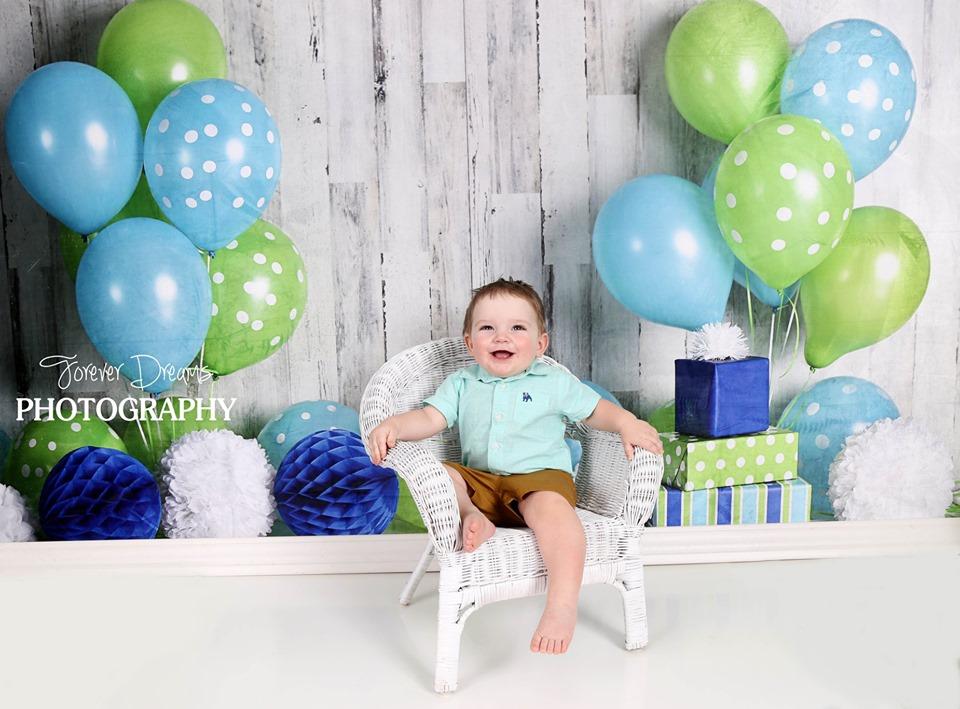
pixel 863 632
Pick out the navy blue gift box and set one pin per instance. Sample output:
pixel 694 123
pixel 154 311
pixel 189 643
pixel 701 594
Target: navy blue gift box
pixel 723 398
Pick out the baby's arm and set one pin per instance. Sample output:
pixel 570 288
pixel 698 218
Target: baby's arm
pixel 410 426
pixel 633 432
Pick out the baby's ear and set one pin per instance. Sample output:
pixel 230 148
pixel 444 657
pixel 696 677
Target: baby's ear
pixel 542 343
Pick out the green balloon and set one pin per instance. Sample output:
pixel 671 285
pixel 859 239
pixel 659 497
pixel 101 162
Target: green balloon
pixel 869 287
pixel 259 294
pixel 725 60
pixel 664 418
pixel 408 519
pixel 783 196
pixel 147 441
pixel 151 47
pixel 42 444
pixel 140 204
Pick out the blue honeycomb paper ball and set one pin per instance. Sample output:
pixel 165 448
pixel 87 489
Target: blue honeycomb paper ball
pixel 99 493
pixel 294 423
pixel 327 484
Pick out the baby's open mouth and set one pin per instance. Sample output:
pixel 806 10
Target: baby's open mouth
pixel 501 354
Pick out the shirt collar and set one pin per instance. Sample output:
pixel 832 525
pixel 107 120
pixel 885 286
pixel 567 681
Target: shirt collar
pixel 538 368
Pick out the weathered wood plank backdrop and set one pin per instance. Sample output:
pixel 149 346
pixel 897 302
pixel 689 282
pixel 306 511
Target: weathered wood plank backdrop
pixel 432 145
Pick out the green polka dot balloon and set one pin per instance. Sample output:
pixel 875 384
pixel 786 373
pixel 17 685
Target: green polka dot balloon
pixel 259 294
pixel 147 441
pixel 42 444
pixel 783 196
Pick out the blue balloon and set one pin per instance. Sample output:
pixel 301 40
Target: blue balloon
pixel 74 142
pixel 604 394
pixel 856 78
pixel 823 417
pixel 743 275
pixel 576 451
pixel 144 298
pixel 212 158
pixel 296 422
pixel 660 254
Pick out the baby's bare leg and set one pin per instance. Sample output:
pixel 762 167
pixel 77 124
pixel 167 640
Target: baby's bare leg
pixel 476 527
pixel 563 547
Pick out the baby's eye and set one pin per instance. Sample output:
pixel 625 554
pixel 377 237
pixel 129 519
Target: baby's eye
pixel 486 327
pixel 519 327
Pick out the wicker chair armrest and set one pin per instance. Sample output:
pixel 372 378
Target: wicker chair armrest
pixel 610 485
pixel 430 485
pixel 432 492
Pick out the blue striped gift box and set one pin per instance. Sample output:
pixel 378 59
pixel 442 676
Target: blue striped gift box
pixel 763 503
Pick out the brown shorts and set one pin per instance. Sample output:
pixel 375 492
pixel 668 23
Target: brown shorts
pixel 498 496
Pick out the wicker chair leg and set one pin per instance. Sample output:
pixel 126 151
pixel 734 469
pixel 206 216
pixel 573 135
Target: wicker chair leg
pixel 417 575
pixel 630 584
pixel 449 627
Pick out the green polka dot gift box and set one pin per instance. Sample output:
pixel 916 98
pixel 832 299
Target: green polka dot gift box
pixel 692 463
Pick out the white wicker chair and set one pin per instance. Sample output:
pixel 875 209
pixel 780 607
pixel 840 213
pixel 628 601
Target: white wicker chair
pixel 615 498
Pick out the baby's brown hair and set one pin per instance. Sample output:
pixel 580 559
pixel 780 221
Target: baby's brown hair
pixel 506 286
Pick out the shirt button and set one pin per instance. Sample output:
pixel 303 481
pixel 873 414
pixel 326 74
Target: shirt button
pixel 496 446
pixel 499 417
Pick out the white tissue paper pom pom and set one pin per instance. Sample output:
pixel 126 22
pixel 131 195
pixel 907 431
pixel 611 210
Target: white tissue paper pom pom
pixel 893 469
pixel 718 341
pixel 14 519
pixel 217 484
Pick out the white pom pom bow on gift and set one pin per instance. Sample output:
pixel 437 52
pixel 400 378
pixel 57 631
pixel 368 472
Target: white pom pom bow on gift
pixel 217 484
pixel 893 469
pixel 718 341
pixel 14 518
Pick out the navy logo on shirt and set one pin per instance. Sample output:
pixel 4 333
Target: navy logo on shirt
pixel 527 397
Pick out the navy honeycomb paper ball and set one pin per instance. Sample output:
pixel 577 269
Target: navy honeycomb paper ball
pixel 327 484
pixel 99 493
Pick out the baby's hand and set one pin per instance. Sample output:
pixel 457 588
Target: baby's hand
pixel 640 433
pixel 382 439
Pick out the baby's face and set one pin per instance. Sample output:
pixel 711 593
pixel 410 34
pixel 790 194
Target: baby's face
pixel 504 338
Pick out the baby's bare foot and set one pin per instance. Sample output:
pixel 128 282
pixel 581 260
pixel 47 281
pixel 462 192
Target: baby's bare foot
pixel 555 631
pixel 476 530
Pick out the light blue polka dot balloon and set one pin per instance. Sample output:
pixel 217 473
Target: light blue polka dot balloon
pixel 857 79
pixel 296 422
pixel 824 416
pixel 212 158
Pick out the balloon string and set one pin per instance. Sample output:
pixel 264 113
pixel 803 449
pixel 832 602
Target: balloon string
pixel 796 342
pixel 803 390
pixel 773 327
pixel 204 343
pixel 786 337
pixel 143 436
pixel 151 447
pixel 213 381
pixel 750 309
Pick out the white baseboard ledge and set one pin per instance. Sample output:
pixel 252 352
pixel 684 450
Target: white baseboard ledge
pixel 400 552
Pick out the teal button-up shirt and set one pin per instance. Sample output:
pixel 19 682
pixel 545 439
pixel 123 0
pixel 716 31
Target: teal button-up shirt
pixel 514 424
